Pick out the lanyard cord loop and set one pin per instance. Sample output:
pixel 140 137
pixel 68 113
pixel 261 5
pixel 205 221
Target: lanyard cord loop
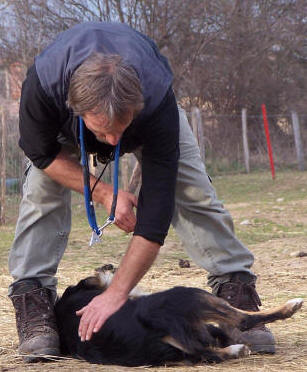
pixel 115 179
pixel 89 205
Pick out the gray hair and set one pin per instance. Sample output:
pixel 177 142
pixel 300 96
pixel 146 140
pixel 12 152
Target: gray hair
pixel 105 84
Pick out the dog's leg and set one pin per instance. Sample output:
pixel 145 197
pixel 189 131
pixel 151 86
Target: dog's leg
pixel 285 311
pixel 217 310
pixel 212 354
pixel 232 352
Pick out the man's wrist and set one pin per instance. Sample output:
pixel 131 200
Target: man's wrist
pixel 137 260
pixel 102 192
pixel 117 292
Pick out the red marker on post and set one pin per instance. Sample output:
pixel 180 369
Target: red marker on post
pixel 267 134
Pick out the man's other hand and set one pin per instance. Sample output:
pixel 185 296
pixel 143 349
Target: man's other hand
pixel 94 315
pixel 125 217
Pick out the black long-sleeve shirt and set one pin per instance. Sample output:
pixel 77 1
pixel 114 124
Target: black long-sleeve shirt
pixel 44 114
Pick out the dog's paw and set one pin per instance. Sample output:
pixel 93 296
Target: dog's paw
pixel 106 267
pixel 239 350
pixel 293 305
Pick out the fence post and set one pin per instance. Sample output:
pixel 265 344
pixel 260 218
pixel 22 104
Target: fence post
pixel 298 140
pixel 3 167
pixel 197 127
pixel 245 139
pixel 91 165
pixel 267 135
pixel 125 171
pixel 135 178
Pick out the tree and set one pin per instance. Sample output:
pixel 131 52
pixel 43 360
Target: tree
pixel 225 54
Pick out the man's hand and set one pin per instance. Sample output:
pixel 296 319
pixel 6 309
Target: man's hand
pixel 94 315
pixel 66 170
pixel 125 217
pixel 139 257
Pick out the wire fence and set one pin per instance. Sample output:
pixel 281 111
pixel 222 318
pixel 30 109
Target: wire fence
pixel 223 142
pixel 222 136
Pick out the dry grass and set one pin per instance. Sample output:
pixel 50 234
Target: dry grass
pixel 281 276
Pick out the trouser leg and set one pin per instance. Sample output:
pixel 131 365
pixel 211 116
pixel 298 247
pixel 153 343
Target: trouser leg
pixel 203 225
pixel 42 229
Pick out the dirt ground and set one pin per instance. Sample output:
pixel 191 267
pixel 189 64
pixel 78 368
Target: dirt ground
pixel 275 229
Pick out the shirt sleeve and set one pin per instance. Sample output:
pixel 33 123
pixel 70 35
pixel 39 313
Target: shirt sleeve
pixel 159 171
pixel 39 122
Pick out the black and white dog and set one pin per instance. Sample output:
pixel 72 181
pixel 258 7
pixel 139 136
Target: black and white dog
pixel 177 325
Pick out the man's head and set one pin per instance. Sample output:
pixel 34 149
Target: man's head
pixel 107 93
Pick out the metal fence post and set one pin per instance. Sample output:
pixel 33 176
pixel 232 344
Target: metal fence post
pixel 298 140
pixel 245 139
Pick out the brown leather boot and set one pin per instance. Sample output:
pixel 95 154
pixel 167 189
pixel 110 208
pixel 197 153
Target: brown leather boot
pixel 241 293
pixel 35 320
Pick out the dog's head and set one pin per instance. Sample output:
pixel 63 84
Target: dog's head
pixel 100 281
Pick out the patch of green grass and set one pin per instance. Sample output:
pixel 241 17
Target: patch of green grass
pixel 224 166
pixel 7 235
pixel 259 186
pixel 268 226
pixel 176 255
pixel 256 190
pixel 263 229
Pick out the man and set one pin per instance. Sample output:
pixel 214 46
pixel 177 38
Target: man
pixel 118 82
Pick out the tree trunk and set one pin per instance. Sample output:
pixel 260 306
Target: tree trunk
pixel 3 167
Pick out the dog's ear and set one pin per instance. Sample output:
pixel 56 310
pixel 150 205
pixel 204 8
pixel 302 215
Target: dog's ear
pixel 91 282
pixel 99 281
pixel 102 280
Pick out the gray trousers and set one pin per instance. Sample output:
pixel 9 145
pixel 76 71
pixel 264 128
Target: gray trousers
pixel 203 225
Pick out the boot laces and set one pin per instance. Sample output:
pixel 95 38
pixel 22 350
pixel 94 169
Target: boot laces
pixel 241 295
pixel 35 313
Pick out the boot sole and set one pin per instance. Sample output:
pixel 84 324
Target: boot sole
pixel 262 349
pixel 41 355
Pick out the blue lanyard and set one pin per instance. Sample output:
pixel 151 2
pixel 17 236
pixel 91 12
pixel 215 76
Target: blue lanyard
pixel 89 205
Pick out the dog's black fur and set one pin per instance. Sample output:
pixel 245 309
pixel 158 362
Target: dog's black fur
pixel 157 329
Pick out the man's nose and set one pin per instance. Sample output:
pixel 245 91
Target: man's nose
pixel 113 139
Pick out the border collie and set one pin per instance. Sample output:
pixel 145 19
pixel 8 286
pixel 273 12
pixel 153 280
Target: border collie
pixel 179 325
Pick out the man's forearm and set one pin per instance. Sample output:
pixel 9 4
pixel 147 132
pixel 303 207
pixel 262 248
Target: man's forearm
pixel 138 259
pixel 66 170
pixel 141 253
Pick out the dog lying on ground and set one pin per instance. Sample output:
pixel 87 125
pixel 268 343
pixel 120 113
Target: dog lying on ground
pixel 177 325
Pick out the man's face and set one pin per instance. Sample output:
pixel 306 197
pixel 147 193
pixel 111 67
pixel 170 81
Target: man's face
pixel 103 130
